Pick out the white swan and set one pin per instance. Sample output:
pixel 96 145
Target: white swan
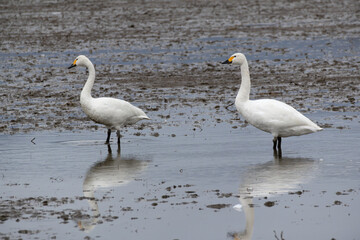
pixel 113 113
pixel 272 116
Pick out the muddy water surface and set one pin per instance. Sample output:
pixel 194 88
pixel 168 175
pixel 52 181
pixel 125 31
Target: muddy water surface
pixel 196 170
pixel 216 183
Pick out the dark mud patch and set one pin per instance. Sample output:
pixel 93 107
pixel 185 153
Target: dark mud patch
pixel 33 208
pixel 218 206
pixel 269 203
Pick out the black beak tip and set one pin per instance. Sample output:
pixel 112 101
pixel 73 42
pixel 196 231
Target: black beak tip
pixel 72 65
pixel 226 62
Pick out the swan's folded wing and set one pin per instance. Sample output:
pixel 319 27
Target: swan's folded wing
pixel 115 112
pixel 277 117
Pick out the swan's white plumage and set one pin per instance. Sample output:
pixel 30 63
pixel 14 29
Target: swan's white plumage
pixel 111 112
pixel 272 116
pixel 275 117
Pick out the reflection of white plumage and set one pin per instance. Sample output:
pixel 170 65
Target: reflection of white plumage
pixel 112 172
pixel 269 115
pixel 270 179
pixel 111 112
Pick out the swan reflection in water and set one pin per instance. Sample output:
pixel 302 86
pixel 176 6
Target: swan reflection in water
pixel 112 172
pixel 280 176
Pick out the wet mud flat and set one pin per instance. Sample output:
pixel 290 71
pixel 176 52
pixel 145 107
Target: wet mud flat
pixel 156 54
pixel 196 170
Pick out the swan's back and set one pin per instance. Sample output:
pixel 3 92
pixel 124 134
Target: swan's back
pixel 275 117
pixel 112 112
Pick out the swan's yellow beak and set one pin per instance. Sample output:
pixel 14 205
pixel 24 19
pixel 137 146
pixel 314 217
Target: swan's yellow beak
pixel 229 61
pixel 73 65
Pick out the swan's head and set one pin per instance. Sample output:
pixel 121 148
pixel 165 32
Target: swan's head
pixel 80 61
pixel 237 58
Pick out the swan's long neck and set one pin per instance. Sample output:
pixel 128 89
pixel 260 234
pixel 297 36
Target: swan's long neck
pixel 244 92
pixel 86 91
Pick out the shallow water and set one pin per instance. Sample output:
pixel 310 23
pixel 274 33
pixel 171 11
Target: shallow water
pixel 196 170
pixel 183 187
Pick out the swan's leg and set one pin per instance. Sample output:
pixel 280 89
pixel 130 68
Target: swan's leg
pixel 119 149
pixel 109 149
pixel 275 141
pixel 277 154
pixel 118 135
pixel 279 143
pixel 108 136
